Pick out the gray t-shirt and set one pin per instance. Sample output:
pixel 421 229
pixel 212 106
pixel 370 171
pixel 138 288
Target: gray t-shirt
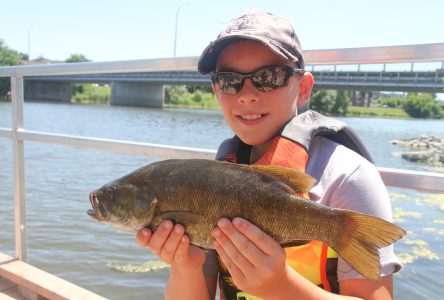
pixel 344 180
pixel 348 181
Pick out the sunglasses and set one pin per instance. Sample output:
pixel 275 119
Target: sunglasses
pixel 265 79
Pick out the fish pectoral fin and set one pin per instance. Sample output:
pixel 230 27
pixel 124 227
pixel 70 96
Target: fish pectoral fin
pixel 298 180
pixel 182 217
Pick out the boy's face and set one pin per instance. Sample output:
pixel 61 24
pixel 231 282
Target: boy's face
pixel 255 116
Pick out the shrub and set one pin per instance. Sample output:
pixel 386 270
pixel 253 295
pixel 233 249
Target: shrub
pixel 422 106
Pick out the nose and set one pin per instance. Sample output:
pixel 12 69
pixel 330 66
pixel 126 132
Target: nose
pixel 248 92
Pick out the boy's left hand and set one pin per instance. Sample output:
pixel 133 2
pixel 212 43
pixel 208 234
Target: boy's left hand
pixel 255 261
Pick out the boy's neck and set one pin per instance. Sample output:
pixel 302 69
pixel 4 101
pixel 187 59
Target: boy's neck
pixel 257 151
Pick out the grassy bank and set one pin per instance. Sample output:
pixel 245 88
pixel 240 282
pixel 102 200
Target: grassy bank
pixel 91 94
pixel 353 111
pixel 377 112
pixel 179 97
pixel 206 105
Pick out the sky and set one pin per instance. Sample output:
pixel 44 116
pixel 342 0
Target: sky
pixel 110 30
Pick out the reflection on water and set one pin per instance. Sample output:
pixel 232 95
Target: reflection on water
pixel 63 240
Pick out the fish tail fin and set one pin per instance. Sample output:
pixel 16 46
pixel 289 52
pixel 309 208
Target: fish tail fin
pixel 358 244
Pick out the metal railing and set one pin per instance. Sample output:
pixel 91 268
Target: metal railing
pixel 423 181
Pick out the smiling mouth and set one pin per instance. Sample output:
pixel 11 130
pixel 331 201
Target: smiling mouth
pixel 251 117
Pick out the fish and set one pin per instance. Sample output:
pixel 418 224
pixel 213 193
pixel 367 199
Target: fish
pixel 198 192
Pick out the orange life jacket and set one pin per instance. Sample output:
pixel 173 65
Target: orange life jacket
pixel 316 261
pixel 310 260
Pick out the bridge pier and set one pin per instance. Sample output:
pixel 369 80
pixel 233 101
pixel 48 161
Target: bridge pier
pixel 362 98
pixel 137 94
pixel 47 90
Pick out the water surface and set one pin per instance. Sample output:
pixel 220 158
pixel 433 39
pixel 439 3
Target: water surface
pixel 64 241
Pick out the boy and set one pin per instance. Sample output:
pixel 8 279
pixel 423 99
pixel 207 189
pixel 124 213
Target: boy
pixel 258 78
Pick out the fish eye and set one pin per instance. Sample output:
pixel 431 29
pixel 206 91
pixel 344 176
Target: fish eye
pixel 111 192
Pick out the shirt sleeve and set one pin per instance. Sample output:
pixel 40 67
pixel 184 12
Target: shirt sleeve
pixel 346 180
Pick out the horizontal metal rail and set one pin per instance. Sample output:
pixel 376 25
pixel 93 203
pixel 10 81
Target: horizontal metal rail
pixel 369 55
pixel 416 180
pixel 110 145
pixel 141 65
pixel 374 55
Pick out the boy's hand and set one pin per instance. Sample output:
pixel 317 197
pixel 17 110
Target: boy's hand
pixel 170 243
pixel 255 261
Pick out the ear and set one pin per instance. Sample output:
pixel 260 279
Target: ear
pixel 305 86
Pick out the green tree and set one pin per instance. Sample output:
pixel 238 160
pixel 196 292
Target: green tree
pixel 341 103
pixel 323 101
pixel 197 96
pixel 174 93
pixel 23 56
pixel 77 58
pixel 202 88
pixel 41 59
pixel 77 88
pixel 392 102
pixel 8 57
pixel 423 106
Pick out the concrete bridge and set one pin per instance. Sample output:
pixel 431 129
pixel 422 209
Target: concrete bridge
pixel 142 88
pixel 134 88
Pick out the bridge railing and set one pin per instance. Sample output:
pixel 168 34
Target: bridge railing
pixel 422 181
pixel 382 76
pixel 420 81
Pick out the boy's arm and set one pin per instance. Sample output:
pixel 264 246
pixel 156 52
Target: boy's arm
pixel 190 284
pixel 366 289
pixel 187 280
pixel 257 264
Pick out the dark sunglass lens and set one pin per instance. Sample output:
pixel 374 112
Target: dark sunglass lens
pixel 280 76
pixel 227 83
pixel 270 78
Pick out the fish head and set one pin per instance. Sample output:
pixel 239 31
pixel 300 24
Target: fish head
pixel 122 204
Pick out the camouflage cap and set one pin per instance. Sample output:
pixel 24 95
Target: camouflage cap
pixel 255 24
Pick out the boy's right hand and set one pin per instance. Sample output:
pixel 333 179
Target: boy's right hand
pixel 170 243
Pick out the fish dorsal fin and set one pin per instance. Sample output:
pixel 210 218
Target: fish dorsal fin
pixel 298 180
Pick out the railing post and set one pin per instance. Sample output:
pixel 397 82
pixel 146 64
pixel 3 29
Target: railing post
pixel 17 93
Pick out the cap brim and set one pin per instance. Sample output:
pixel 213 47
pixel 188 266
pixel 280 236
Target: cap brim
pixel 208 58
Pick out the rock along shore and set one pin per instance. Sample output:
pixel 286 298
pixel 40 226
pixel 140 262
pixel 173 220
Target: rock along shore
pixel 429 149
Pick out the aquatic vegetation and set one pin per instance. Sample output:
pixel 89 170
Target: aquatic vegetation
pixel 430 200
pixel 152 265
pixel 425 253
pixel 434 230
pixel 419 250
pixel 436 169
pixel 420 243
pixel 399 214
pixel 397 196
pixel 435 201
pixel 406 258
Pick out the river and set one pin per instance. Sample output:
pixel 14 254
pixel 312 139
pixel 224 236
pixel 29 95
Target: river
pixel 64 241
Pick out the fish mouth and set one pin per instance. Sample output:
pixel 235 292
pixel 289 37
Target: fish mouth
pixel 98 211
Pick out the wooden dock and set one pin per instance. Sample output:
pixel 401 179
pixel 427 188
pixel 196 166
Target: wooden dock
pixel 19 280
pixel 9 290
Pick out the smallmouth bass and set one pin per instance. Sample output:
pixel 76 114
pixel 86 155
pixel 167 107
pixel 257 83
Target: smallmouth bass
pixel 197 193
